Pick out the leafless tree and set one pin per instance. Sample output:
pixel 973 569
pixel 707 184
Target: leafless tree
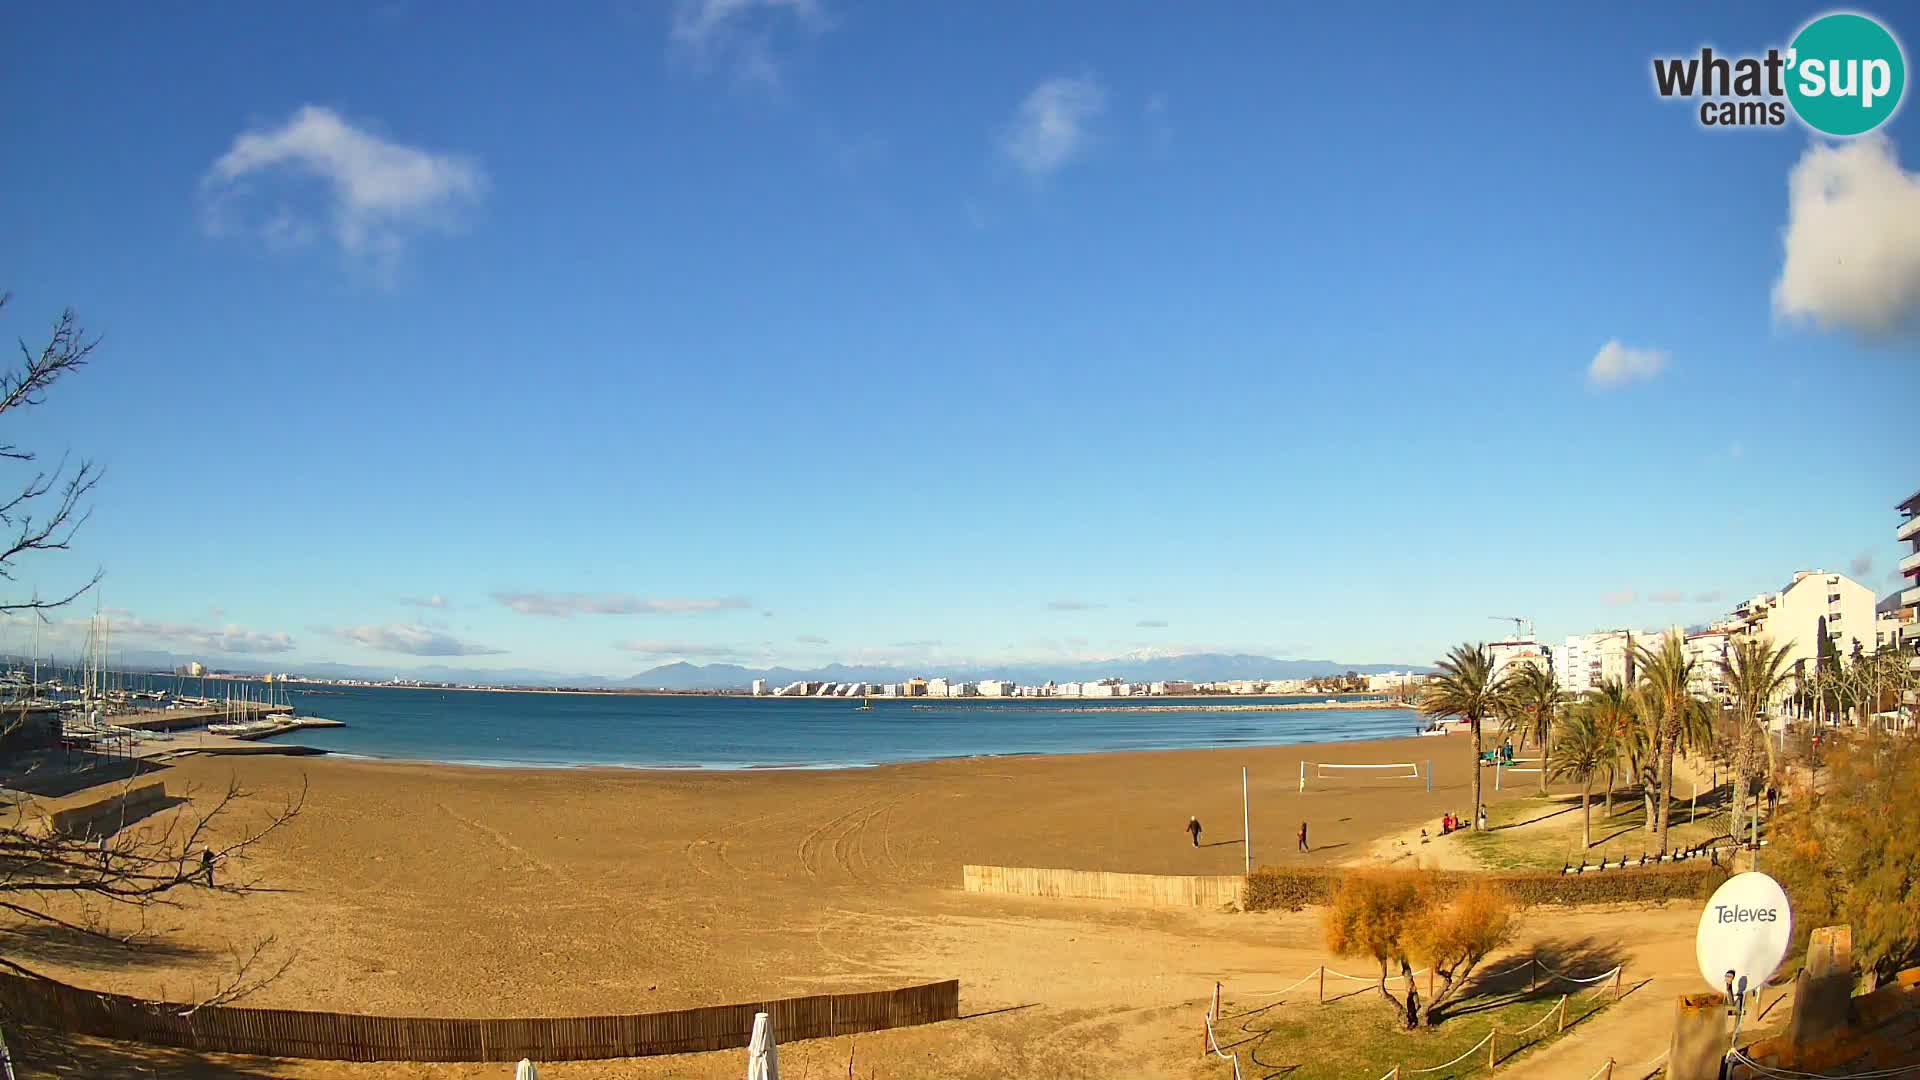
pixel 103 881
pixel 48 508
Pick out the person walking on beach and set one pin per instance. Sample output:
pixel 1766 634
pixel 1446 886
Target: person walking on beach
pixel 1303 837
pixel 1193 830
pixel 206 864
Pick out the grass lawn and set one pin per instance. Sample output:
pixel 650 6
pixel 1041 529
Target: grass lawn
pixel 1358 1036
pixel 1544 833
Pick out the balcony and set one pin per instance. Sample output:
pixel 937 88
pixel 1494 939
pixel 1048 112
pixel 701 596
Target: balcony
pixel 1909 529
pixel 1910 598
pixel 1910 565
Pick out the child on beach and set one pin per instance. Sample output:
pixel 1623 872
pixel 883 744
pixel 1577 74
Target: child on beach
pixel 1193 830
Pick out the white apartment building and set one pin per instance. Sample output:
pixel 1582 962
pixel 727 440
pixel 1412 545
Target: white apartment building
pixel 1391 680
pixel 1793 616
pixel 1508 653
pixel 1067 689
pixel 759 687
pixel 1584 661
pixel 937 688
pixel 996 688
pixel 1708 649
pixel 1909 610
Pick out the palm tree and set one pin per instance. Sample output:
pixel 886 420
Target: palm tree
pixel 1536 702
pixel 1466 688
pixel 1665 671
pixel 1756 672
pixel 1582 749
pixel 1610 708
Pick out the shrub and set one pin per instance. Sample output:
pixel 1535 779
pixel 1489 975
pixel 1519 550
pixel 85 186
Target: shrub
pixel 1274 888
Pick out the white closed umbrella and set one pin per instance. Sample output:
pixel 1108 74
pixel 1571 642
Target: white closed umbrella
pixel 525 1071
pixel 763 1057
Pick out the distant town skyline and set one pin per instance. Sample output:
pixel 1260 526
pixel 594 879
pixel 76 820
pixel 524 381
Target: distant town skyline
pixel 713 342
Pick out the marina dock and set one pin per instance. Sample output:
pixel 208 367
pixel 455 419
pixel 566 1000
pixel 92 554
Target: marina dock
pixel 237 712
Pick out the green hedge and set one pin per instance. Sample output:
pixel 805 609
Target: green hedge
pixel 1273 888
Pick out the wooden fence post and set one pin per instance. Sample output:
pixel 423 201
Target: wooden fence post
pixel 1493 1041
pixel 1616 981
pixel 1429 982
pixel 1563 1014
pixel 1533 975
pixel 1323 984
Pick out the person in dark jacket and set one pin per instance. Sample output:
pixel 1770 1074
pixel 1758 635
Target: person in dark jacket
pixel 1193 830
pixel 1303 837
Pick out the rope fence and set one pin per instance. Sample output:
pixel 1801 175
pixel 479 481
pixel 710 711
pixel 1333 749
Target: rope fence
pixel 1740 1056
pixel 1213 1047
pixel 1534 968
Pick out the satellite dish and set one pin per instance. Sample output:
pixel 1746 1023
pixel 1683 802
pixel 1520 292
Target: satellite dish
pixel 1743 934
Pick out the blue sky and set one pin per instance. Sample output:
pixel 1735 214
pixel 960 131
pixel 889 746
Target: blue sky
pixel 749 331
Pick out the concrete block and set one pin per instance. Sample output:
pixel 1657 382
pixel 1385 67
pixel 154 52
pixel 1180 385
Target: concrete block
pixel 1700 1031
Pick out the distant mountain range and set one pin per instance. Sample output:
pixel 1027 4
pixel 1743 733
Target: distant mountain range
pixel 1195 667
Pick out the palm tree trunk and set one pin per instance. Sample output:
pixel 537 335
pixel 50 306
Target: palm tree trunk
pixel 1546 740
pixel 1742 764
pixel 1586 816
pixel 1476 772
pixel 1666 783
pixel 1609 790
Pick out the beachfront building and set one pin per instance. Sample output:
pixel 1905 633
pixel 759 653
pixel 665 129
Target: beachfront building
pixel 1708 651
pixel 1795 616
pixel 914 687
pixel 937 687
pixel 1519 651
pixel 1908 611
pixel 759 687
pixel 1584 661
pixel 995 688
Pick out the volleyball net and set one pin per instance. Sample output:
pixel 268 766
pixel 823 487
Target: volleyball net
pixel 1327 774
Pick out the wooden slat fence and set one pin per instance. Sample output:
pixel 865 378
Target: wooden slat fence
pixel 1214 891
pixel 351 1037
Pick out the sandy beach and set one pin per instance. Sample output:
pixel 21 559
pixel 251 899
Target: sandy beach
pixel 447 891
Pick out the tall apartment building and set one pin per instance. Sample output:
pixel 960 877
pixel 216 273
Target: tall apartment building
pixel 1584 661
pixel 1794 616
pixel 1909 610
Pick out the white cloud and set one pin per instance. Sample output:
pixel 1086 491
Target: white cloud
pixel 1050 127
pixel 225 639
pixel 568 604
pixel 1711 597
pixel 434 601
pixel 1666 596
pixel 676 648
pixel 378 192
pixel 738 34
pixel 1852 240
pixel 1152 624
pixel 1071 605
pixel 811 639
pixel 413 639
pixel 1616 365
pixel 1617 599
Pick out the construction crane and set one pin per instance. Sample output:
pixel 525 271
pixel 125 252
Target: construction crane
pixel 1522 627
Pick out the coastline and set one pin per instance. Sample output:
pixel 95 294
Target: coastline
pixel 1310 750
